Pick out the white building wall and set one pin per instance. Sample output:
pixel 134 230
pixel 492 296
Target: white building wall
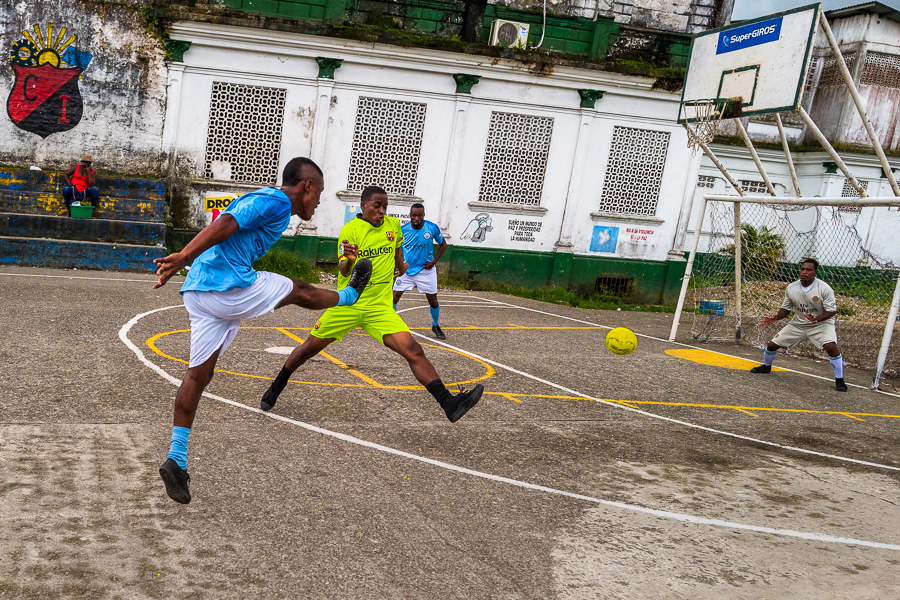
pixel 448 188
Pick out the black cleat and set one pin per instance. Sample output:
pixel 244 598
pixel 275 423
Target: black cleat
pixel 761 369
pixel 270 397
pixel 462 402
pixel 360 276
pixel 176 480
pixel 839 385
pixel 438 333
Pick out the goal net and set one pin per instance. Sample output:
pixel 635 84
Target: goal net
pixel 852 244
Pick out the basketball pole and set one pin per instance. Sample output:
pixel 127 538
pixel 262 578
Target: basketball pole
pixel 787 155
pixel 848 79
pixel 832 152
pixel 698 230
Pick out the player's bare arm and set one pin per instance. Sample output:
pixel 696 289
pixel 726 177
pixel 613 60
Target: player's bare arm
pixel 819 318
pixel 221 229
pixel 351 252
pixel 437 256
pixel 782 313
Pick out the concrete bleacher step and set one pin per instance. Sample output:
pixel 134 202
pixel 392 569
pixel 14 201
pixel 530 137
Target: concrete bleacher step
pixel 86 230
pixel 68 254
pixel 51 182
pixel 113 208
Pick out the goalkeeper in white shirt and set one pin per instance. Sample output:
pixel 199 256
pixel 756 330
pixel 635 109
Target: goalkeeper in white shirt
pixel 814 306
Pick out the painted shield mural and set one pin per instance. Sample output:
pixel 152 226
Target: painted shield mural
pixel 45 98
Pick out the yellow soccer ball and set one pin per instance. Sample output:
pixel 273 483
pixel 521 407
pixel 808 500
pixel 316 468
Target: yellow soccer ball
pixel 621 341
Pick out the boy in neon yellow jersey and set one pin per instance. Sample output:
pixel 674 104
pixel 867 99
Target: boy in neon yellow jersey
pixel 377 237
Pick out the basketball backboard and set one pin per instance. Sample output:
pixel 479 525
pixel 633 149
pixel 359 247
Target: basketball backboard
pixel 760 63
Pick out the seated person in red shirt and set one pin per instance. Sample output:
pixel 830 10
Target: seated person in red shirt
pixel 81 183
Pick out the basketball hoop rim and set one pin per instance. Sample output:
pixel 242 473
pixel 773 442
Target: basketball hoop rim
pixel 725 108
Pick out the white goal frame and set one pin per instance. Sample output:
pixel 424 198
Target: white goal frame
pixel 784 201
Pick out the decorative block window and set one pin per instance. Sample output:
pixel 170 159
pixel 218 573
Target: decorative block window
pixel 387 141
pixel 243 141
pixel 705 181
pixel 882 70
pixel 831 72
pixel 848 191
pixel 815 63
pixel 754 187
pixel 515 159
pixel 634 171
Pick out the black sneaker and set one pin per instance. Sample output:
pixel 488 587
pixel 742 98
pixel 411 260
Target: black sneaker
pixel 462 402
pixel 176 480
pixel 360 276
pixel 270 397
pixel 438 333
pixel 839 385
pixel 761 369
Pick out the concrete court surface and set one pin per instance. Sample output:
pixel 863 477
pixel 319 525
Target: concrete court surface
pixel 581 474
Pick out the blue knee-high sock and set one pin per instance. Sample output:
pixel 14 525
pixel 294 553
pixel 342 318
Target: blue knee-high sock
pixel 769 357
pixel 837 363
pixel 435 313
pixel 178 446
pixel 395 308
pixel 347 296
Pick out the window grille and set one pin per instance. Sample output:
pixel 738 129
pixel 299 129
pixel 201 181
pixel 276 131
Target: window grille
pixel 815 63
pixel 754 187
pixel 634 171
pixel 848 191
pixel 244 133
pixel 705 181
pixel 831 72
pixel 515 159
pixel 882 70
pixel 387 141
pixel 613 286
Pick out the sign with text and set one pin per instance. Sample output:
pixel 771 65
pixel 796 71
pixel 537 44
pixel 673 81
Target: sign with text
pixel 523 231
pixel 749 36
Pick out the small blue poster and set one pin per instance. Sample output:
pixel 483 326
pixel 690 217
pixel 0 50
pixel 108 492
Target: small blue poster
pixel 604 238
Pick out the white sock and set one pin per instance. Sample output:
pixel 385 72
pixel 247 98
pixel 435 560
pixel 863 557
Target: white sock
pixel 769 357
pixel 837 363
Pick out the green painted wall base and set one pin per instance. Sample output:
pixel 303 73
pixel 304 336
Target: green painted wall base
pixel 647 281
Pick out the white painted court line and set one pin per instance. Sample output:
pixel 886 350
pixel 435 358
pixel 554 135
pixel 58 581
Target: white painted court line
pixel 811 536
pixel 637 410
pixel 665 341
pixel 76 277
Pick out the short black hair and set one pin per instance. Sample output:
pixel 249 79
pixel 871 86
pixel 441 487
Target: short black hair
pixel 371 191
pixel 814 262
pixel 297 170
pixel 417 205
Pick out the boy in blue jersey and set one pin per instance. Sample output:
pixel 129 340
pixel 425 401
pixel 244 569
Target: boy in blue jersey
pixel 419 238
pixel 222 288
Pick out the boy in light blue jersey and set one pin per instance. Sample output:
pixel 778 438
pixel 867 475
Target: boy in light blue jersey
pixel 222 288
pixel 419 238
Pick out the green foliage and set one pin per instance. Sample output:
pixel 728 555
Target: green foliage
pixel 557 295
pixel 761 250
pixel 152 14
pixel 287 264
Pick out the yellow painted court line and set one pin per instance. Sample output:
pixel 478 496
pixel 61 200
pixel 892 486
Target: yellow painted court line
pixel 339 363
pixel 151 343
pixel 714 359
pixel 509 397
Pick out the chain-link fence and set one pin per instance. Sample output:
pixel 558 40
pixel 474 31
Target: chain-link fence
pixel 775 238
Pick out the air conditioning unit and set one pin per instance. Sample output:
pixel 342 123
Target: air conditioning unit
pixel 509 33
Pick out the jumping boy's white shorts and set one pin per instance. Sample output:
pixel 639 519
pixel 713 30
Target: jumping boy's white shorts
pixel 425 280
pixel 216 316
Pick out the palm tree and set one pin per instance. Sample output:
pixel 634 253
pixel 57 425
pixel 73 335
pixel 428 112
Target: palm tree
pixel 761 249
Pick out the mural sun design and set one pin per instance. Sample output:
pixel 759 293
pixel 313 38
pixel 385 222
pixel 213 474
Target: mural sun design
pixel 45 97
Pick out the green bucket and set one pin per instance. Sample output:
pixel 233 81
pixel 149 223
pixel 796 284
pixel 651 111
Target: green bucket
pixel 82 212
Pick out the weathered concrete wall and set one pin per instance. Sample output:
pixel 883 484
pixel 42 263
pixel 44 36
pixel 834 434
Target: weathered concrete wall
pixel 123 87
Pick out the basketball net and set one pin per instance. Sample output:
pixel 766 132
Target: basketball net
pixel 707 114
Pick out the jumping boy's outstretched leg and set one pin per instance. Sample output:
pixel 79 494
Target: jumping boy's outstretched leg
pixel 309 296
pixel 174 470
